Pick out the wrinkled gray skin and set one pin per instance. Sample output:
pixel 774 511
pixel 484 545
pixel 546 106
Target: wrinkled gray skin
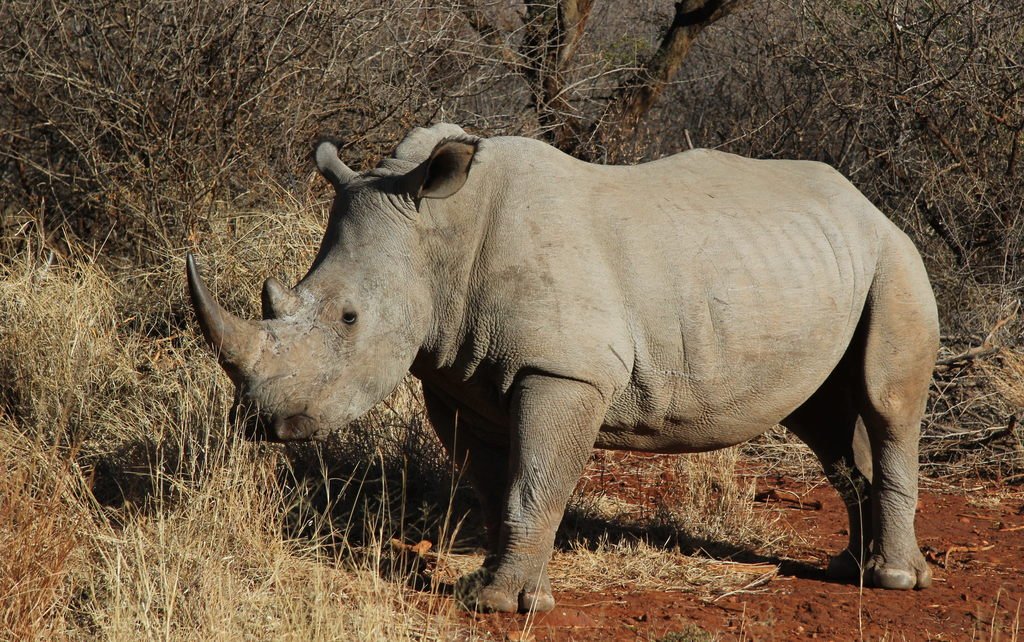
pixel 550 306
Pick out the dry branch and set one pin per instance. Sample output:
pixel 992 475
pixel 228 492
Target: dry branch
pixel 966 357
pixel 552 37
pixel 987 347
pixel 636 96
pixel 492 36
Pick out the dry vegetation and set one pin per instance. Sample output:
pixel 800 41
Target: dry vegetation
pixel 132 131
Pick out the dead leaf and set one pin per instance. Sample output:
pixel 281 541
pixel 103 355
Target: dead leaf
pixel 422 547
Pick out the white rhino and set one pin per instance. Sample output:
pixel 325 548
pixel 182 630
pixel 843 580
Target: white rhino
pixel 550 306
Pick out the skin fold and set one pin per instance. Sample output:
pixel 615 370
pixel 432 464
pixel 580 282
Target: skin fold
pixel 550 306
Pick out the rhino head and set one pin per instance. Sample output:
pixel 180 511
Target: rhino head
pixel 343 338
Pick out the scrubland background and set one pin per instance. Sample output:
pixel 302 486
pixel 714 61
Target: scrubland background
pixel 131 132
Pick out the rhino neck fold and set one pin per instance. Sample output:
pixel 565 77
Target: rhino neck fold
pixel 453 242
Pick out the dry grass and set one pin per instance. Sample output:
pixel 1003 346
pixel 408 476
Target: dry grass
pixel 128 508
pixel 42 519
pixel 973 426
pixel 667 523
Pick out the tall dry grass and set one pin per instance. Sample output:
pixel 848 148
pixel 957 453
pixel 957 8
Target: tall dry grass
pixel 128 506
pixel 42 520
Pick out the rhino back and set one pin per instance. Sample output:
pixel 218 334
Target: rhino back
pixel 705 295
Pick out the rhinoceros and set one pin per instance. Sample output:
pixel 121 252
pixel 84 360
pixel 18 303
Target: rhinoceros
pixel 550 306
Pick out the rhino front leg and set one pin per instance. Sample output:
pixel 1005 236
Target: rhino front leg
pixel 555 423
pixel 485 466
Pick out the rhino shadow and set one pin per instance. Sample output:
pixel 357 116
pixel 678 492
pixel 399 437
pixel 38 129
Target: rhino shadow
pixel 358 492
pixel 580 528
pixel 374 484
pixel 147 474
pixel 377 483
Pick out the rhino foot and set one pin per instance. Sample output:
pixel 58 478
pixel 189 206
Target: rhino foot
pixel 890 575
pixel 492 598
pixel 477 592
pixel 538 600
pixel 844 567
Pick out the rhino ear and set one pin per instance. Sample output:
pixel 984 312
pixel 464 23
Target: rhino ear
pixel 336 172
pixel 445 172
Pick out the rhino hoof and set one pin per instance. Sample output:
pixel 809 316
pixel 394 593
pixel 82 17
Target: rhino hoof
pixel 888 576
pixel 893 578
pixel 538 601
pixel 475 593
pixel 491 599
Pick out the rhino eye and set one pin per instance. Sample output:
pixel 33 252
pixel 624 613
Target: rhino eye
pixel 349 317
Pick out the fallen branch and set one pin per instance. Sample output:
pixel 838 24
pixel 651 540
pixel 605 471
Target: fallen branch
pixel 966 357
pixel 987 347
pixel 777 495
pixel 964 549
pixel 760 581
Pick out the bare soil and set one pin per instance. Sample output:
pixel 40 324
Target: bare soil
pixel 971 533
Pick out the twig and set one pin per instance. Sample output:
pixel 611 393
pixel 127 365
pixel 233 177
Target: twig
pixel 964 549
pixel 987 348
pixel 760 581
pixel 1001 322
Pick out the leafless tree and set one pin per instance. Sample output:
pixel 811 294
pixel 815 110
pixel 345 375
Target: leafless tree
pixel 551 36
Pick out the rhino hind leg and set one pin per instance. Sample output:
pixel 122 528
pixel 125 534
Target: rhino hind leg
pixel 829 425
pixel 896 561
pixel 900 341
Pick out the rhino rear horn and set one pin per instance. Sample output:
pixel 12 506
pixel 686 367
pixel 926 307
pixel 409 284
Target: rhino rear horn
pixel 233 339
pixel 330 166
pixel 278 300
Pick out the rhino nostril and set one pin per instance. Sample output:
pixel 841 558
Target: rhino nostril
pixel 294 427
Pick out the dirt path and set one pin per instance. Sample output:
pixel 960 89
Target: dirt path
pixel 974 540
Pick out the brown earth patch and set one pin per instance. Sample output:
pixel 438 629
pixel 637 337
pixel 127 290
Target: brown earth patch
pixel 973 535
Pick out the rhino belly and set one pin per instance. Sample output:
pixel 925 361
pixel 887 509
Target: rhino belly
pixel 732 365
pixel 695 409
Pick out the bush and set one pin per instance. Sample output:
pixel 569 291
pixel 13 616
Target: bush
pixel 921 104
pixel 123 124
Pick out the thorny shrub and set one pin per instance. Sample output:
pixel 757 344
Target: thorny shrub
pixel 124 123
pixel 920 103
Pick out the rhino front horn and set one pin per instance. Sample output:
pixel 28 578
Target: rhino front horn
pixel 233 339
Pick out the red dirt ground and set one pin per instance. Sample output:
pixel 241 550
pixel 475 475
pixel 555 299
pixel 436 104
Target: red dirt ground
pixel 972 535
